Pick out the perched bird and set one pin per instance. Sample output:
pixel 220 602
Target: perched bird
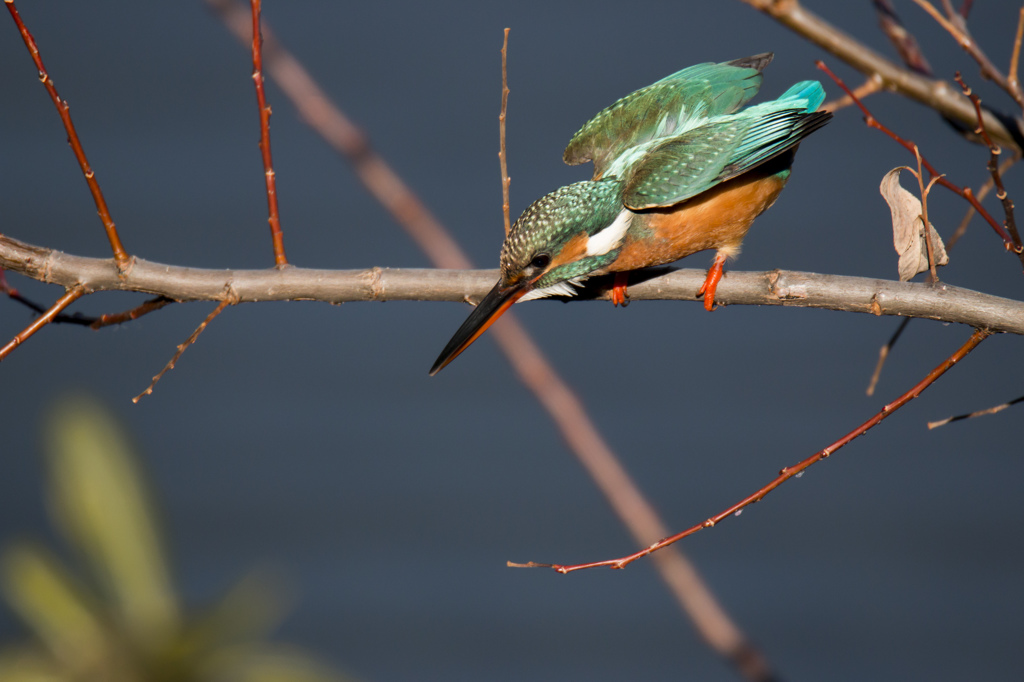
pixel 678 168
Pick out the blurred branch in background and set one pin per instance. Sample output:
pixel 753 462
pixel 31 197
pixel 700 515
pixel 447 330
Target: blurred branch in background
pixel 122 621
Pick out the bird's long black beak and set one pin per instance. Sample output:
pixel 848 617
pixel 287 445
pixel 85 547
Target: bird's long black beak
pixel 493 306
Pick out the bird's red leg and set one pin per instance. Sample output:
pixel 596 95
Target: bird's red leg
pixel 619 296
pixel 711 282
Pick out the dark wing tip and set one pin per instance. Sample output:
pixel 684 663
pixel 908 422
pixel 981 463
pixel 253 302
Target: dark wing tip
pixel 757 61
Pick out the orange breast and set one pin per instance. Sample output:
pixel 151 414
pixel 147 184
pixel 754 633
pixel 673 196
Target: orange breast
pixel 717 219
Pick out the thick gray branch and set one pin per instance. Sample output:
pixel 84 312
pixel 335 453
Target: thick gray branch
pixel 808 290
pixel 942 96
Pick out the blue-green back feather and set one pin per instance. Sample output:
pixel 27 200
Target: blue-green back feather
pixel 667 171
pixel 665 108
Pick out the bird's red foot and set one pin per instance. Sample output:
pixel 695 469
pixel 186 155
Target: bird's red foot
pixel 711 283
pixel 619 295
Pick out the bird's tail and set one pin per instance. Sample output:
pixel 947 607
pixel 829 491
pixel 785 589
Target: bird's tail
pixel 810 92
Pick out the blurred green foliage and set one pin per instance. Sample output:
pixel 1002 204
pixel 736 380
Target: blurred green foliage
pixel 122 621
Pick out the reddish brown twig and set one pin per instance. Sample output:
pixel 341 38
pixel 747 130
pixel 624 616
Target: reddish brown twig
pixel 978 413
pixel 964 192
pixel 787 473
pixel 870 86
pixel 63 302
pixel 993 161
pixel 280 260
pixel 229 300
pixel 505 180
pixel 902 39
pixel 925 191
pixel 982 192
pixel 931 92
pixel 15 295
pixel 84 320
pixel 135 313
pixel 120 256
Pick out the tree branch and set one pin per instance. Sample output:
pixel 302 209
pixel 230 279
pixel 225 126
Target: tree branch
pixel 940 95
pixel 801 289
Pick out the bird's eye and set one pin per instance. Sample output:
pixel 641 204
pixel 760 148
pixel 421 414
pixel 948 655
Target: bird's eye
pixel 540 261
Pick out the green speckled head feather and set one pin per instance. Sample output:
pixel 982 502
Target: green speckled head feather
pixel 550 222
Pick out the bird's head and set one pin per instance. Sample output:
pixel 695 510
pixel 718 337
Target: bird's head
pixel 557 242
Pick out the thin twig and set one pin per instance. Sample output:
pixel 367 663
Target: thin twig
pixel 965 192
pixel 268 165
pixel 1012 78
pixel 993 161
pixel 63 302
pixel 120 255
pixel 787 473
pixel 988 69
pixel 505 180
pixel 925 190
pixel 978 413
pixel 63 318
pixel 229 300
pixel 934 93
pixel 870 86
pixel 883 355
pixel 135 313
pixel 982 192
pixel 104 320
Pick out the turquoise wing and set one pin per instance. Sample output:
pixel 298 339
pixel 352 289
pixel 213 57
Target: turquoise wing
pixel 665 108
pixel 674 170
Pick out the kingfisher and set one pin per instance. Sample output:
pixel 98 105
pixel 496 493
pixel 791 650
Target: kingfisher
pixel 679 167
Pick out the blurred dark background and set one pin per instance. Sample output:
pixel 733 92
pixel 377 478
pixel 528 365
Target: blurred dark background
pixel 309 437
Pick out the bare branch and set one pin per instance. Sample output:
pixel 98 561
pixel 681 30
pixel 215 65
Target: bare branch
pixel 937 94
pixel 268 164
pixel 505 181
pixel 977 413
pixel 993 163
pixel 971 47
pixel 807 290
pixel 982 192
pixel 122 258
pixel 902 39
pixel 966 192
pixel 72 295
pixel 883 355
pixel 108 320
pixel 1012 79
pixel 229 300
pixel 787 472
pixel 869 87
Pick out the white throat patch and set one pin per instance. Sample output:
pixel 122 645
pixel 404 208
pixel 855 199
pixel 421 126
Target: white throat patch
pixel 611 236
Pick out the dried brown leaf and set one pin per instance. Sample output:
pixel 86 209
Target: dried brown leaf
pixel 908 227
